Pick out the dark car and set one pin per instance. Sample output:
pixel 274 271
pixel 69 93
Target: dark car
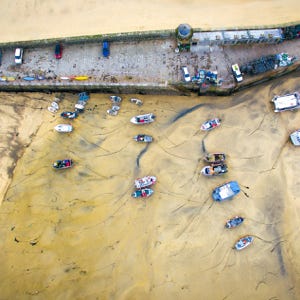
pixel 105 49
pixel 58 51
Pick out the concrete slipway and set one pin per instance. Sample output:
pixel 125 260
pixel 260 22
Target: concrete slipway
pixel 145 66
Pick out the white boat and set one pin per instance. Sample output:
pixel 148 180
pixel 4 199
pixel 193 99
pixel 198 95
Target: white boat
pixel 286 102
pixel 63 128
pixel 143 119
pixel 55 105
pixel 136 101
pixel 295 137
pixel 144 182
pixel 52 109
pixel 243 242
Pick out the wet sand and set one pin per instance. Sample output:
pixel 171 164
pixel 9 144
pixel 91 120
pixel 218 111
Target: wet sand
pixel 31 20
pixel 78 233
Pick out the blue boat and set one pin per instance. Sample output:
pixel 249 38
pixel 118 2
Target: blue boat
pixel 143 193
pixel 29 78
pixel 234 222
pixel 69 114
pixel 226 191
pixel 243 242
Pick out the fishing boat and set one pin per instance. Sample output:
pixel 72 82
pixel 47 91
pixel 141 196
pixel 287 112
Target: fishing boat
pixel 55 105
pixel 63 128
pixel 143 193
pixel 286 102
pixel 234 222
pixel 65 78
pixel 136 101
pixel 63 164
pixel 143 138
pixel 3 78
pixel 10 78
pixel 79 108
pixel 143 119
pixel 211 124
pixel 52 109
pixel 214 158
pixel 112 112
pixel 144 182
pixel 295 137
pixel 226 191
pixel 69 114
pixel 243 242
pixel 214 169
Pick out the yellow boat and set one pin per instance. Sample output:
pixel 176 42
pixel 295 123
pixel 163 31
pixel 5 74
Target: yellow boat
pixel 10 78
pixel 81 77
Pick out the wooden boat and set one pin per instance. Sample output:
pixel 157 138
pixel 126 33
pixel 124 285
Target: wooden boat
pixel 214 158
pixel 226 191
pixel 63 164
pixel 234 222
pixel 69 114
pixel 214 169
pixel 243 242
pixel 136 101
pixel 143 119
pixel 80 78
pixel 144 182
pixel 143 193
pixel 211 124
pixel 63 128
pixel 143 138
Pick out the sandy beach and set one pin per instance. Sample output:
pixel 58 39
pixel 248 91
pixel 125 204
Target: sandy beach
pixel 78 233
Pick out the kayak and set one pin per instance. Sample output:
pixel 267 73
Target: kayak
pixel 81 78
pixel 29 78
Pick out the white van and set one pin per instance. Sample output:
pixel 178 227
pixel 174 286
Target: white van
pixel 19 56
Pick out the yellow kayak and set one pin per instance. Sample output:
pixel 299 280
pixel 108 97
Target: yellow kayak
pixel 81 77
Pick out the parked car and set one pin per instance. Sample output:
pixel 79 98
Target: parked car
pixel 186 74
pixel 105 49
pixel 237 73
pixel 58 51
pixel 19 56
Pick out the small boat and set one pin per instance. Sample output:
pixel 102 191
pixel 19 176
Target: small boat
pixel 3 78
pixel 143 138
pixel 214 169
pixel 143 193
pixel 65 78
pixel 79 108
pixel 295 137
pixel 69 114
pixel 55 105
pixel 115 99
pixel 63 164
pixel 144 182
pixel 29 78
pixel 40 77
pixel 136 101
pixel 83 96
pixel 112 112
pixel 214 158
pixel 243 242
pixel 143 119
pixel 52 109
pixel 286 102
pixel 80 78
pixel 226 191
pixel 211 124
pixel 63 128
pixel 234 222
pixel 10 78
